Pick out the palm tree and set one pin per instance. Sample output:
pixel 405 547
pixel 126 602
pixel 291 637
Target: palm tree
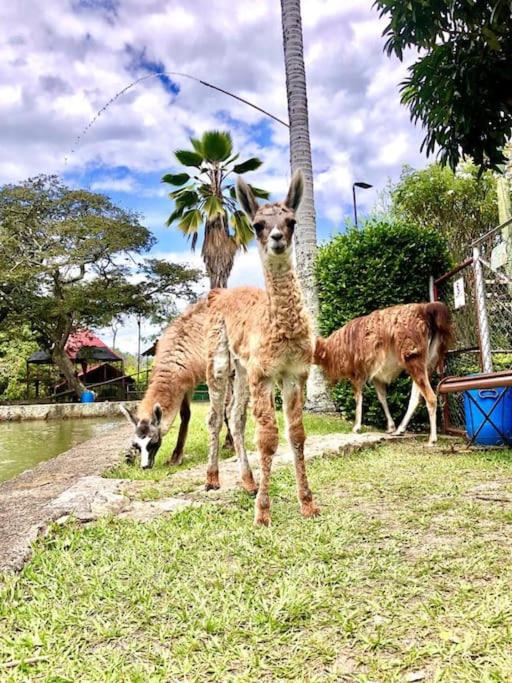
pixel 318 398
pixel 207 197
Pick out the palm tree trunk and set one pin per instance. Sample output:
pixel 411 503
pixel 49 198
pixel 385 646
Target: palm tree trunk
pixel 218 252
pixel 318 398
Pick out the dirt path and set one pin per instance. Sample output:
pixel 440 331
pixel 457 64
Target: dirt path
pixel 71 484
pixel 24 500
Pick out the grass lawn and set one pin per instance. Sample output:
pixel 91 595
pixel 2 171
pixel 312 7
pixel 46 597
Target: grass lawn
pixel 405 576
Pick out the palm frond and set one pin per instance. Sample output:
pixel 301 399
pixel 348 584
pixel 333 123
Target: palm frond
pixel 258 192
pixel 185 198
pixel 250 165
pixel 177 213
pixel 196 144
pixel 188 158
pixel 176 178
pixel 213 207
pixel 190 222
pixel 216 145
pixel 243 229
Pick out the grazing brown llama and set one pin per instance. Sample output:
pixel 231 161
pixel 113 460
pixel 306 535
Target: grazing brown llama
pixel 379 346
pixel 180 365
pixel 266 337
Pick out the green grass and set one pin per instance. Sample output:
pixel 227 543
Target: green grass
pixel 406 571
pixel 196 449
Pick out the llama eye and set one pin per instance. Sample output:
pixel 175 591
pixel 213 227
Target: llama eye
pixel 258 227
pixel 291 223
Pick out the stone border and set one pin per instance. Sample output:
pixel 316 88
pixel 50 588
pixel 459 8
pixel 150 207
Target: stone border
pixel 62 411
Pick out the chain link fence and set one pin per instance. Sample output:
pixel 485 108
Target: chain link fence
pixel 479 294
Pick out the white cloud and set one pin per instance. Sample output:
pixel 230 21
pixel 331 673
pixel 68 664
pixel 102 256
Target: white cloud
pixel 62 65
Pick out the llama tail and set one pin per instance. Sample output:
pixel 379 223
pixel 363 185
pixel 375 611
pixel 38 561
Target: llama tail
pixel 441 328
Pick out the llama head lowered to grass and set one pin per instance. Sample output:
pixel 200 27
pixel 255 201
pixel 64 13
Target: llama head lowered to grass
pixel 180 365
pixel 147 438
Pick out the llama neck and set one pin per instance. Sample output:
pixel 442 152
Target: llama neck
pixel 287 312
pixel 170 402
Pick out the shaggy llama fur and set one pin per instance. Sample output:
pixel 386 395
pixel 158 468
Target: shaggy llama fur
pixel 180 365
pixel 379 346
pixel 266 337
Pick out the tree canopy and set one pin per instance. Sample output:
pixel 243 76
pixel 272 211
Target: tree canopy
pixel 460 87
pixel 461 206
pixel 70 258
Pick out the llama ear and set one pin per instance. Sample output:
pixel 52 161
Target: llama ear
pixel 129 415
pixel 294 196
pixel 157 415
pixel 246 198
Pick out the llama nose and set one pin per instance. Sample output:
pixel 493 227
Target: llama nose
pixel 276 235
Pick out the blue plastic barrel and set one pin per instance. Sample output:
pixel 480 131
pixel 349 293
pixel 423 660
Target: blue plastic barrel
pixel 87 397
pixel 501 415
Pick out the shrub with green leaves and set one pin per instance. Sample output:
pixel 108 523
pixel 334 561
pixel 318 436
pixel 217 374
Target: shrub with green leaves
pixel 385 263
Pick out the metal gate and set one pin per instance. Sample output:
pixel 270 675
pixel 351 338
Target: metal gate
pixel 478 292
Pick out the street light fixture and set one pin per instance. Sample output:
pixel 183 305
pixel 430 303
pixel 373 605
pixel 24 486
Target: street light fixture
pixel 364 186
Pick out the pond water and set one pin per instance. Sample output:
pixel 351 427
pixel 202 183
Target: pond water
pixel 24 444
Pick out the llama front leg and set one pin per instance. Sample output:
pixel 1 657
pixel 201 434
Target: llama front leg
pixel 380 388
pixel 217 373
pixel 267 440
pixel 237 420
pixel 358 393
pixel 177 454
pixel 293 398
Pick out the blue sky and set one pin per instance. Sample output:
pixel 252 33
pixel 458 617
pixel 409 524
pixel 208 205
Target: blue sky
pixel 62 61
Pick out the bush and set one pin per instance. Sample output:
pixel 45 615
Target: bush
pixel 385 263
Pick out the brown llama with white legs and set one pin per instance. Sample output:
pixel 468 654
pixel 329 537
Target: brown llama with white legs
pixel 379 346
pixel 180 365
pixel 266 337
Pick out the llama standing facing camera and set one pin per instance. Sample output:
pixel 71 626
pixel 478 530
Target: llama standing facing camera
pixel 267 338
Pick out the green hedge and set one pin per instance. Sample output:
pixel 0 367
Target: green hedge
pixel 385 263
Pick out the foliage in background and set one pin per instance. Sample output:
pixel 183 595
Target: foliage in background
pixel 68 260
pixel 460 86
pixel 385 263
pixel 206 196
pixel 15 347
pixel 460 205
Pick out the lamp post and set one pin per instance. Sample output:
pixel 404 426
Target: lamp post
pixel 364 186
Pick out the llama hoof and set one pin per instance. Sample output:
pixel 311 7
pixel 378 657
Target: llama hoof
pixel 211 487
pixel 397 433
pixel 391 430
pixel 249 485
pixel 356 430
pixel 262 518
pixel 431 444
pixel 175 459
pixel 310 510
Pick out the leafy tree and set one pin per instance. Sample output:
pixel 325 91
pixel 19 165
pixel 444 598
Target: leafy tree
pixel 318 399
pixel 68 259
pixel 460 205
pixel 207 196
pixel 15 348
pixel 385 263
pixel 460 87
